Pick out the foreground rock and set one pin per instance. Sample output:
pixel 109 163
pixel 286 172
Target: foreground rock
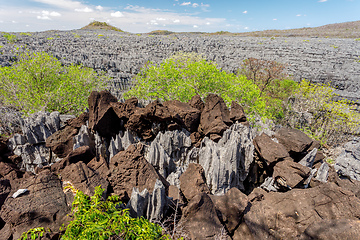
pixel 348 162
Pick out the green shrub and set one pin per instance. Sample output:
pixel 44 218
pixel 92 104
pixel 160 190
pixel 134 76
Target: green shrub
pixel 97 219
pixel 11 38
pixel 25 34
pixel 185 75
pixel 328 120
pixel 94 218
pixel 38 82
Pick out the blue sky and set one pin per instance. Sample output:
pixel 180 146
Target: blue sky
pixel 175 15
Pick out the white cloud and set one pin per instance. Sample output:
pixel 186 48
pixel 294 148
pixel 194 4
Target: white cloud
pixel 246 28
pixel 298 15
pixel 66 4
pixel 322 1
pixel 208 23
pixel 117 14
pixel 185 4
pixel 195 26
pixel 100 8
pixel 85 9
pixel 176 21
pixel 245 12
pixel 195 5
pixel 45 15
pixel 275 19
pixel 161 19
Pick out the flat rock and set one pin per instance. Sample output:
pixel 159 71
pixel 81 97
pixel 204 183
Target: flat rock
pixel 200 219
pixel 193 182
pixel 43 205
pixel 287 215
pixel 230 208
pixel 129 169
pixel 270 150
pixel 292 172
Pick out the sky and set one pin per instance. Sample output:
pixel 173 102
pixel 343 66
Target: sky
pixel 175 15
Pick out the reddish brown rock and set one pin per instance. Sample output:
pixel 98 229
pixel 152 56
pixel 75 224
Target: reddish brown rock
pixel 190 116
pixel 215 117
pixel 62 142
pixel 243 233
pixel 83 178
pixel 269 150
pixel 200 219
pixel 102 117
pixel 230 208
pixel 43 205
pixel 294 173
pixel 237 113
pixel 295 141
pixel 193 182
pixel 100 166
pixel 79 121
pixel 197 103
pixel 287 215
pixel 333 229
pixel 5 188
pixel 83 153
pixel 126 109
pixel 129 169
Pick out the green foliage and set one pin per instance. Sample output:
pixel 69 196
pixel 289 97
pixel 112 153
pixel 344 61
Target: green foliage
pixel 101 25
pixel 97 219
pixel 329 121
pixel 38 81
pixel 50 38
pixel 25 34
pixel 185 75
pixel 11 38
pixel 160 32
pixel 34 233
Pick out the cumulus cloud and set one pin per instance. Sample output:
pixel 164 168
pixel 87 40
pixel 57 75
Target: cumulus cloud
pixel 117 14
pixel 100 8
pixel 45 15
pixel 195 26
pixel 298 15
pixel 66 4
pixel 245 12
pixel 176 21
pixel 185 4
pixel 322 1
pixel 275 19
pixel 85 9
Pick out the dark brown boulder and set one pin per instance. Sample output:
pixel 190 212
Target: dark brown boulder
pixel 83 153
pixel 83 178
pixel 269 150
pixel 190 116
pixel 13 174
pixel 5 188
pixel 287 215
pixel 43 205
pixel 200 220
pixel 243 233
pixel 230 208
pixel 295 141
pixel 143 120
pixel 3 146
pixel 62 142
pixel 215 118
pixel 79 121
pixel 292 172
pixel 102 117
pixel 129 169
pixel 237 112
pixel 197 103
pixel 333 229
pixel 126 109
pixel 100 166
pixel 193 182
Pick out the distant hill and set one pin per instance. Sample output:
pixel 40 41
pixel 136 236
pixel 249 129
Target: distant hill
pixel 101 25
pixel 336 30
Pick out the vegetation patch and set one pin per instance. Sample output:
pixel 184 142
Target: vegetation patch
pixel 95 25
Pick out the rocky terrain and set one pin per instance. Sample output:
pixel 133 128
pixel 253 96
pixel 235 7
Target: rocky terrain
pixel 121 55
pixel 224 178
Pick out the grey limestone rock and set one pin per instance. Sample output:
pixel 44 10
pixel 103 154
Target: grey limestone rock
pixel 83 138
pixel 157 204
pixel 269 185
pixel 323 172
pixel 122 141
pixel 40 126
pixel 348 162
pixel 33 156
pixel 138 202
pixel 227 163
pixel 308 160
pixel 168 150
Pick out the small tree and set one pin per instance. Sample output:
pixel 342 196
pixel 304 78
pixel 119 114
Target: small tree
pixel 39 82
